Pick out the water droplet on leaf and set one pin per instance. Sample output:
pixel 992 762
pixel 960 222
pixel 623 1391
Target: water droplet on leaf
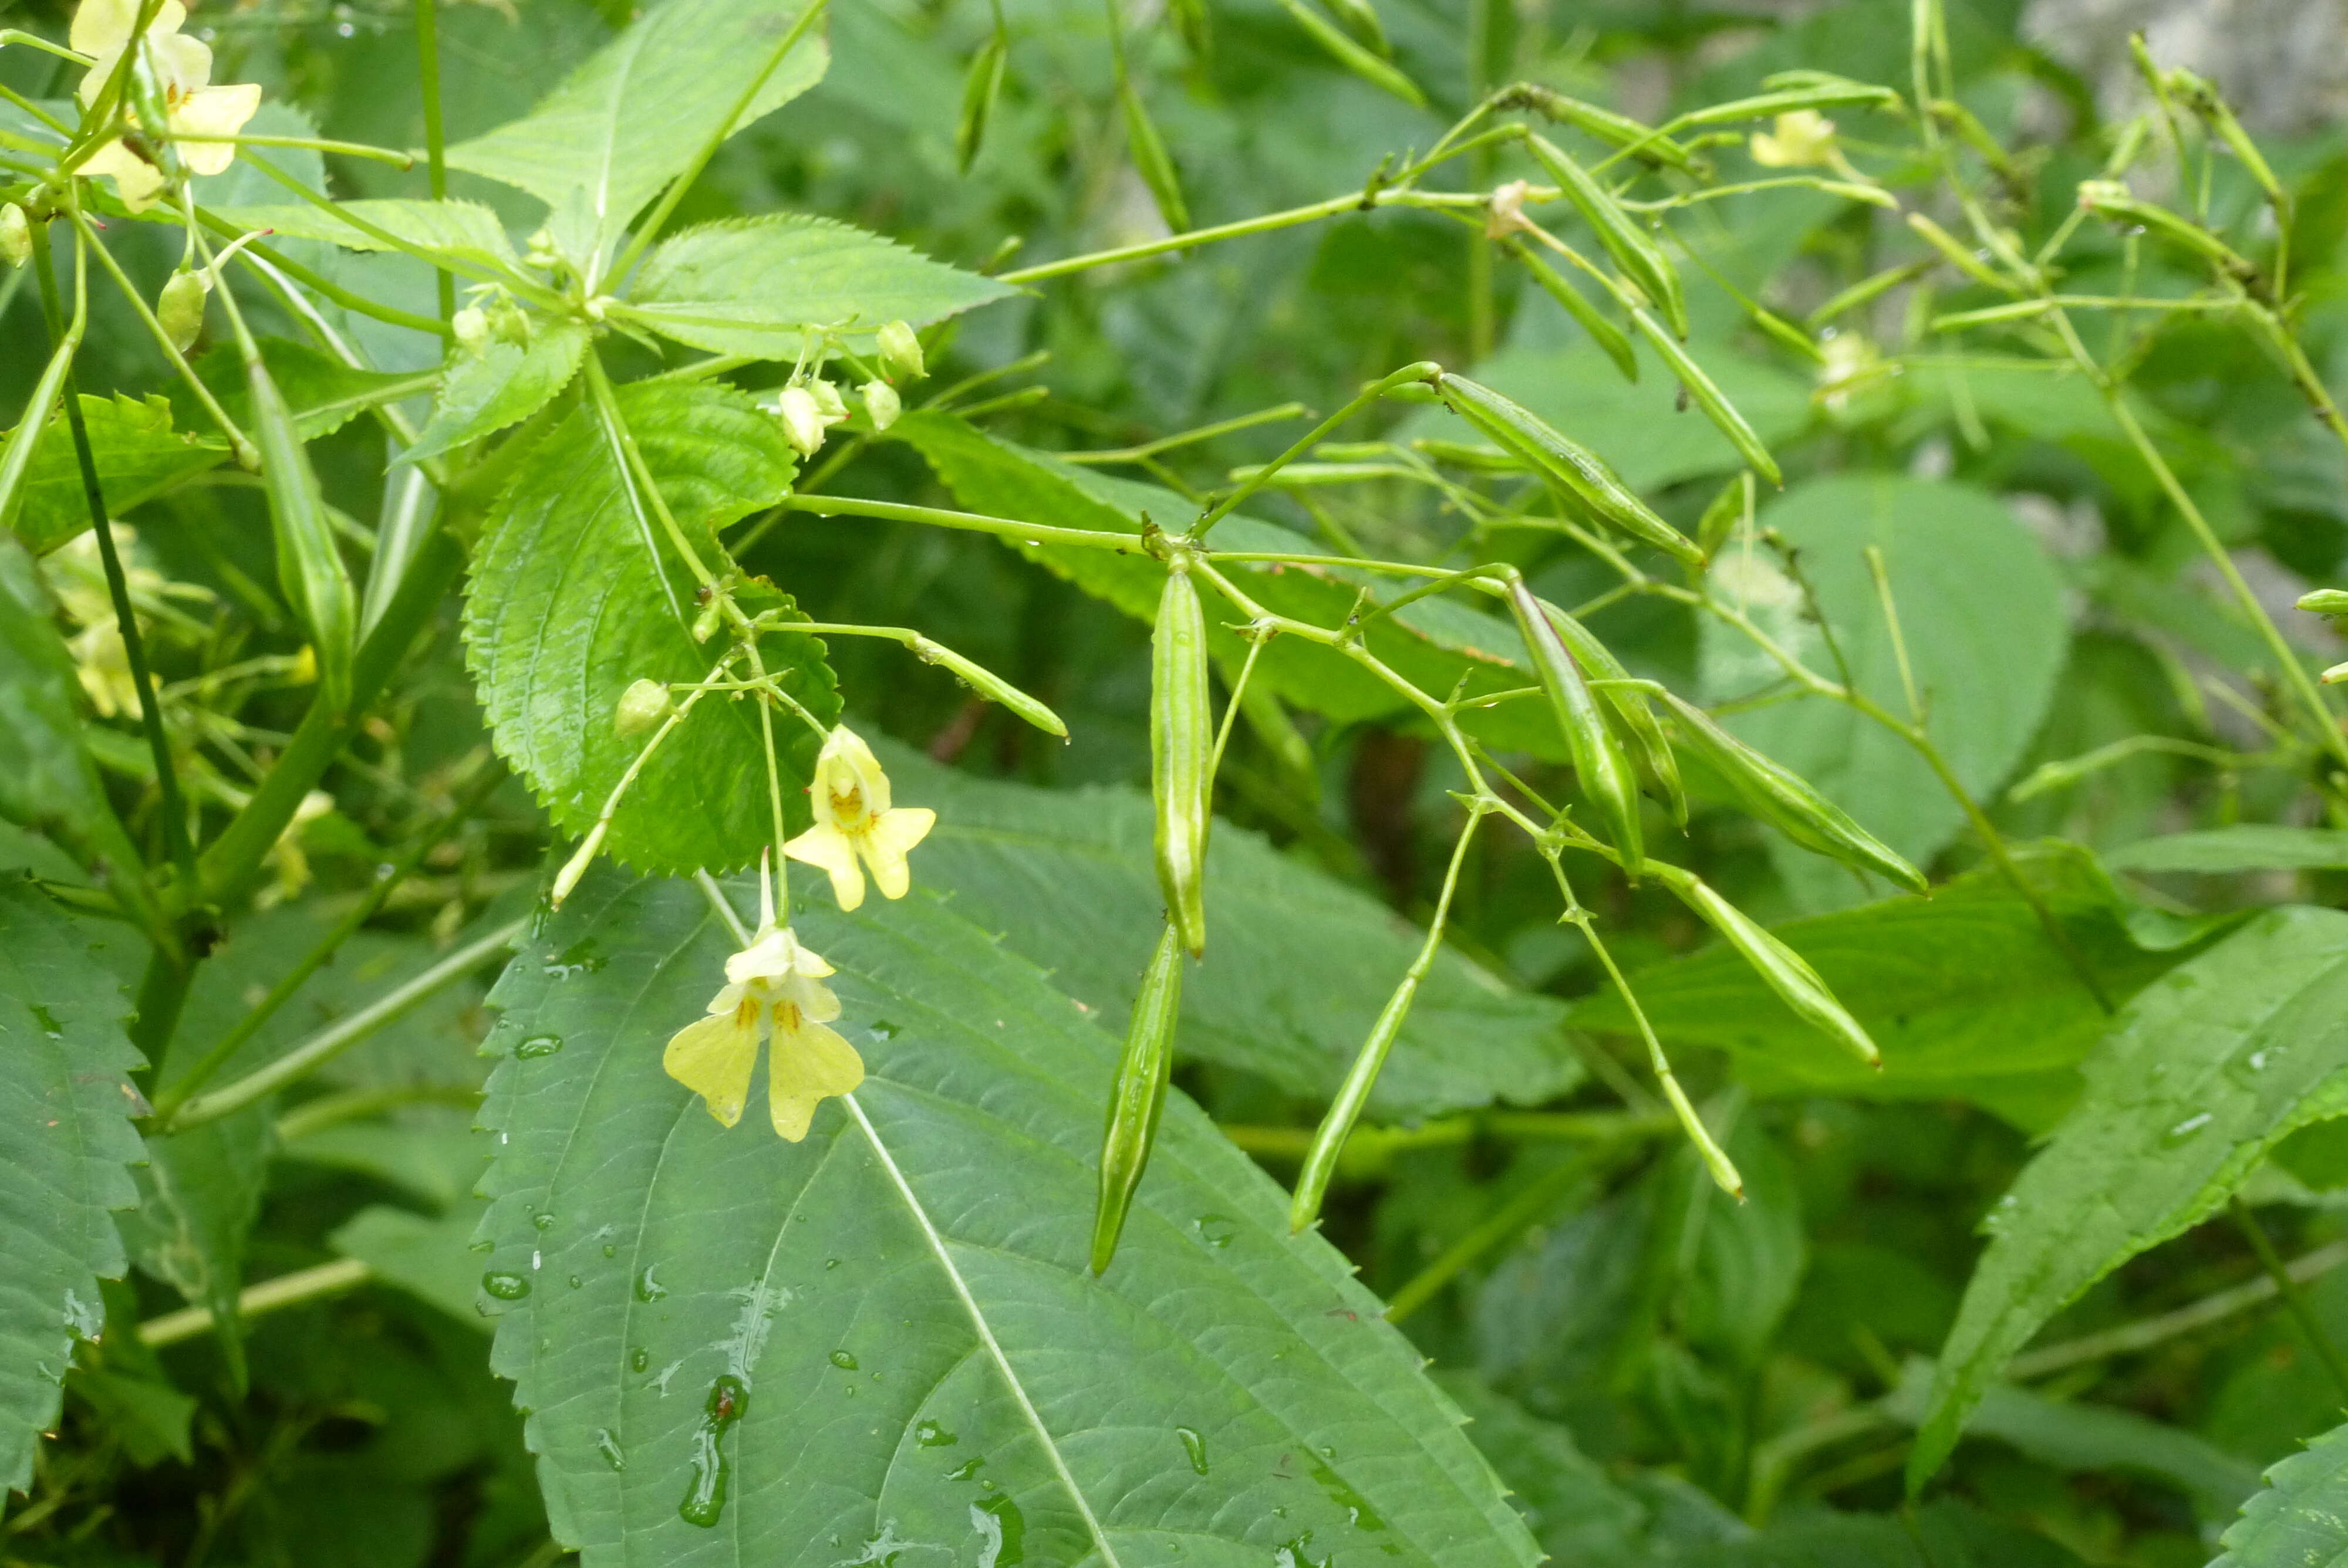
pixel 1195 1447
pixel 843 1360
pixel 608 1446
pixel 505 1286
pixel 647 1287
pixel 931 1435
pixel 539 1045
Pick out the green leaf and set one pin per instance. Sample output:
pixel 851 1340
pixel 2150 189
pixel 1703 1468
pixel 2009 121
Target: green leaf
pixel 636 114
pixel 432 1259
pixel 138 457
pixel 47 781
pixel 1981 612
pixel 1942 1534
pixel 752 285
pixel 1066 877
pixel 2301 1519
pixel 1909 970
pixel 1569 1503
pixel 502 385
pixel 900 1332
pixel 462 236
pixel 151 1417
pixel 1435 642
pixel 2093 1439
pixel 2244 846
pixel 66 1105
pixel 2204 1072
pixel 571 600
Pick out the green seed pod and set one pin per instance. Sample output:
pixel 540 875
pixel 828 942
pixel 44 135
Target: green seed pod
pixel 1955 254
pixel 1181 747
pixel 309 566
pixel 1598 759
pixel 1139 1094
pixel 1798 90
pixel 1708 397
pixel 1361 20
pixel 1628 703
pixel 1648 144
pixel 1353 57
pixel 16 235
pixel 1781 968
pixel 1151 160
pixel 1604 332
pixel 643 704
pixel 1634 249
pixel 980 88
pixel 181 307
pixel 991 686
pixel 1786 800
pixel 1570 465
pixel 1464 455
pixel 1329 1139
pixel 1732 506
pixel 2110 201
pixel 900 351
pixel 2325 601
pixel 881 404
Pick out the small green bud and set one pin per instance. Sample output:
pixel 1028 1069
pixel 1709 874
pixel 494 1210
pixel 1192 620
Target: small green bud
pixel 643 704
pixel 508 322
pixel 181 307
pixel 900 352
pixel 2325 601
pixel 539 251
pixel 16 243
pixel 827 400
pixel 802 418
pixel 471 326
pixel 882 404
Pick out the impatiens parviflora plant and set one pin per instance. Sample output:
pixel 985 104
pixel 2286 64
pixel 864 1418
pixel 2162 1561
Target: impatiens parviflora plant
pixel 678 714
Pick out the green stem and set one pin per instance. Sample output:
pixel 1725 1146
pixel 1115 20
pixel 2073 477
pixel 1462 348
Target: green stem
pixel 238 443
pixel 323 287
pixel 173 804
pixel 1420 371
pixel 270 1296
pixel 436 154
pixel 1535 1199
pixel 328 1043
pixel 358 1104
pixel 2294 1299
pixel 1002 528
pixel 392 156
pixel 1335 206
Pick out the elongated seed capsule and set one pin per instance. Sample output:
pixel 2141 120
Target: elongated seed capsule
pixel 1732 506
pixel 1337 1126
pixel 309 566
pixel 1361 18
pixel 1955 254
pixel 1634 249
pixel 1598 759
pixel 2110 201
pixel 1628 703
pixel 1466 455
pixel 1604 332
pixel 1353 57
pixel 1156 166
pixel 981 86
pixel 1140 1093
pixel 1781 968
pixel 1709 397
pixel 1570 463
pixel 991 686
pixel 2325 601
pixel 1823 92
pixel 1181 746
pixel 1648 144
pixel 1786 800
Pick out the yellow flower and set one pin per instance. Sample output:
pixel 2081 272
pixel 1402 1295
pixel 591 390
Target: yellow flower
pixel 1802 139
pixel 183 71
pixel 773 987
pixel 853 821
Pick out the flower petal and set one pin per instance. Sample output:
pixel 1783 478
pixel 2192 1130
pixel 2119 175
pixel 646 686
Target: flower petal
pixel 769 958
pixel 885 846
pixel 809 1065
pixel 814 1000
pixel 137 180
pixel 829 849
pixel 214 111
pixel 713 1057
pixel 103 26
pixel 185 63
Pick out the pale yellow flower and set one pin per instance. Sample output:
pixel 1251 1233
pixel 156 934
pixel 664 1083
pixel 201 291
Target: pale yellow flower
pixel 1802 139
pixel 854 821
pixel 183 71
pixel 773 988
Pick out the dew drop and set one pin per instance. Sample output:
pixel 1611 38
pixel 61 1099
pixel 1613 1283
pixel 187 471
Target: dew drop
pixel 882 1029
pixel 1215 1230
pixel 544 1222
pixel 1195 1447
pixel 647 1287
pixel 931 1435
pixel 966 1470
pixel 576 1282
pixel 47 1021
pixel 1002 1532
pixel 704 1493
pixel 2184 1130
pixel 843 1360
pixel 611 1251
pixel 505 1286
pixel 539 1045
pixel 639 1359
pixel 579 958
pixel 831 1262
pixel 608 1446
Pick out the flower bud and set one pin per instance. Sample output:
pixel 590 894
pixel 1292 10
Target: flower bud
pixel 471 326
pixel 17 239
pixel 539 251
pixel 181 307
pixel 1139 1094
pixel 1801 139
pixel 881 404
pixel 576 866
pixel 833 407
pixel 508 322
pixel 643 704
pixel 900 351
pixel 2325 602
pixel 1181 753
pixel 802 419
